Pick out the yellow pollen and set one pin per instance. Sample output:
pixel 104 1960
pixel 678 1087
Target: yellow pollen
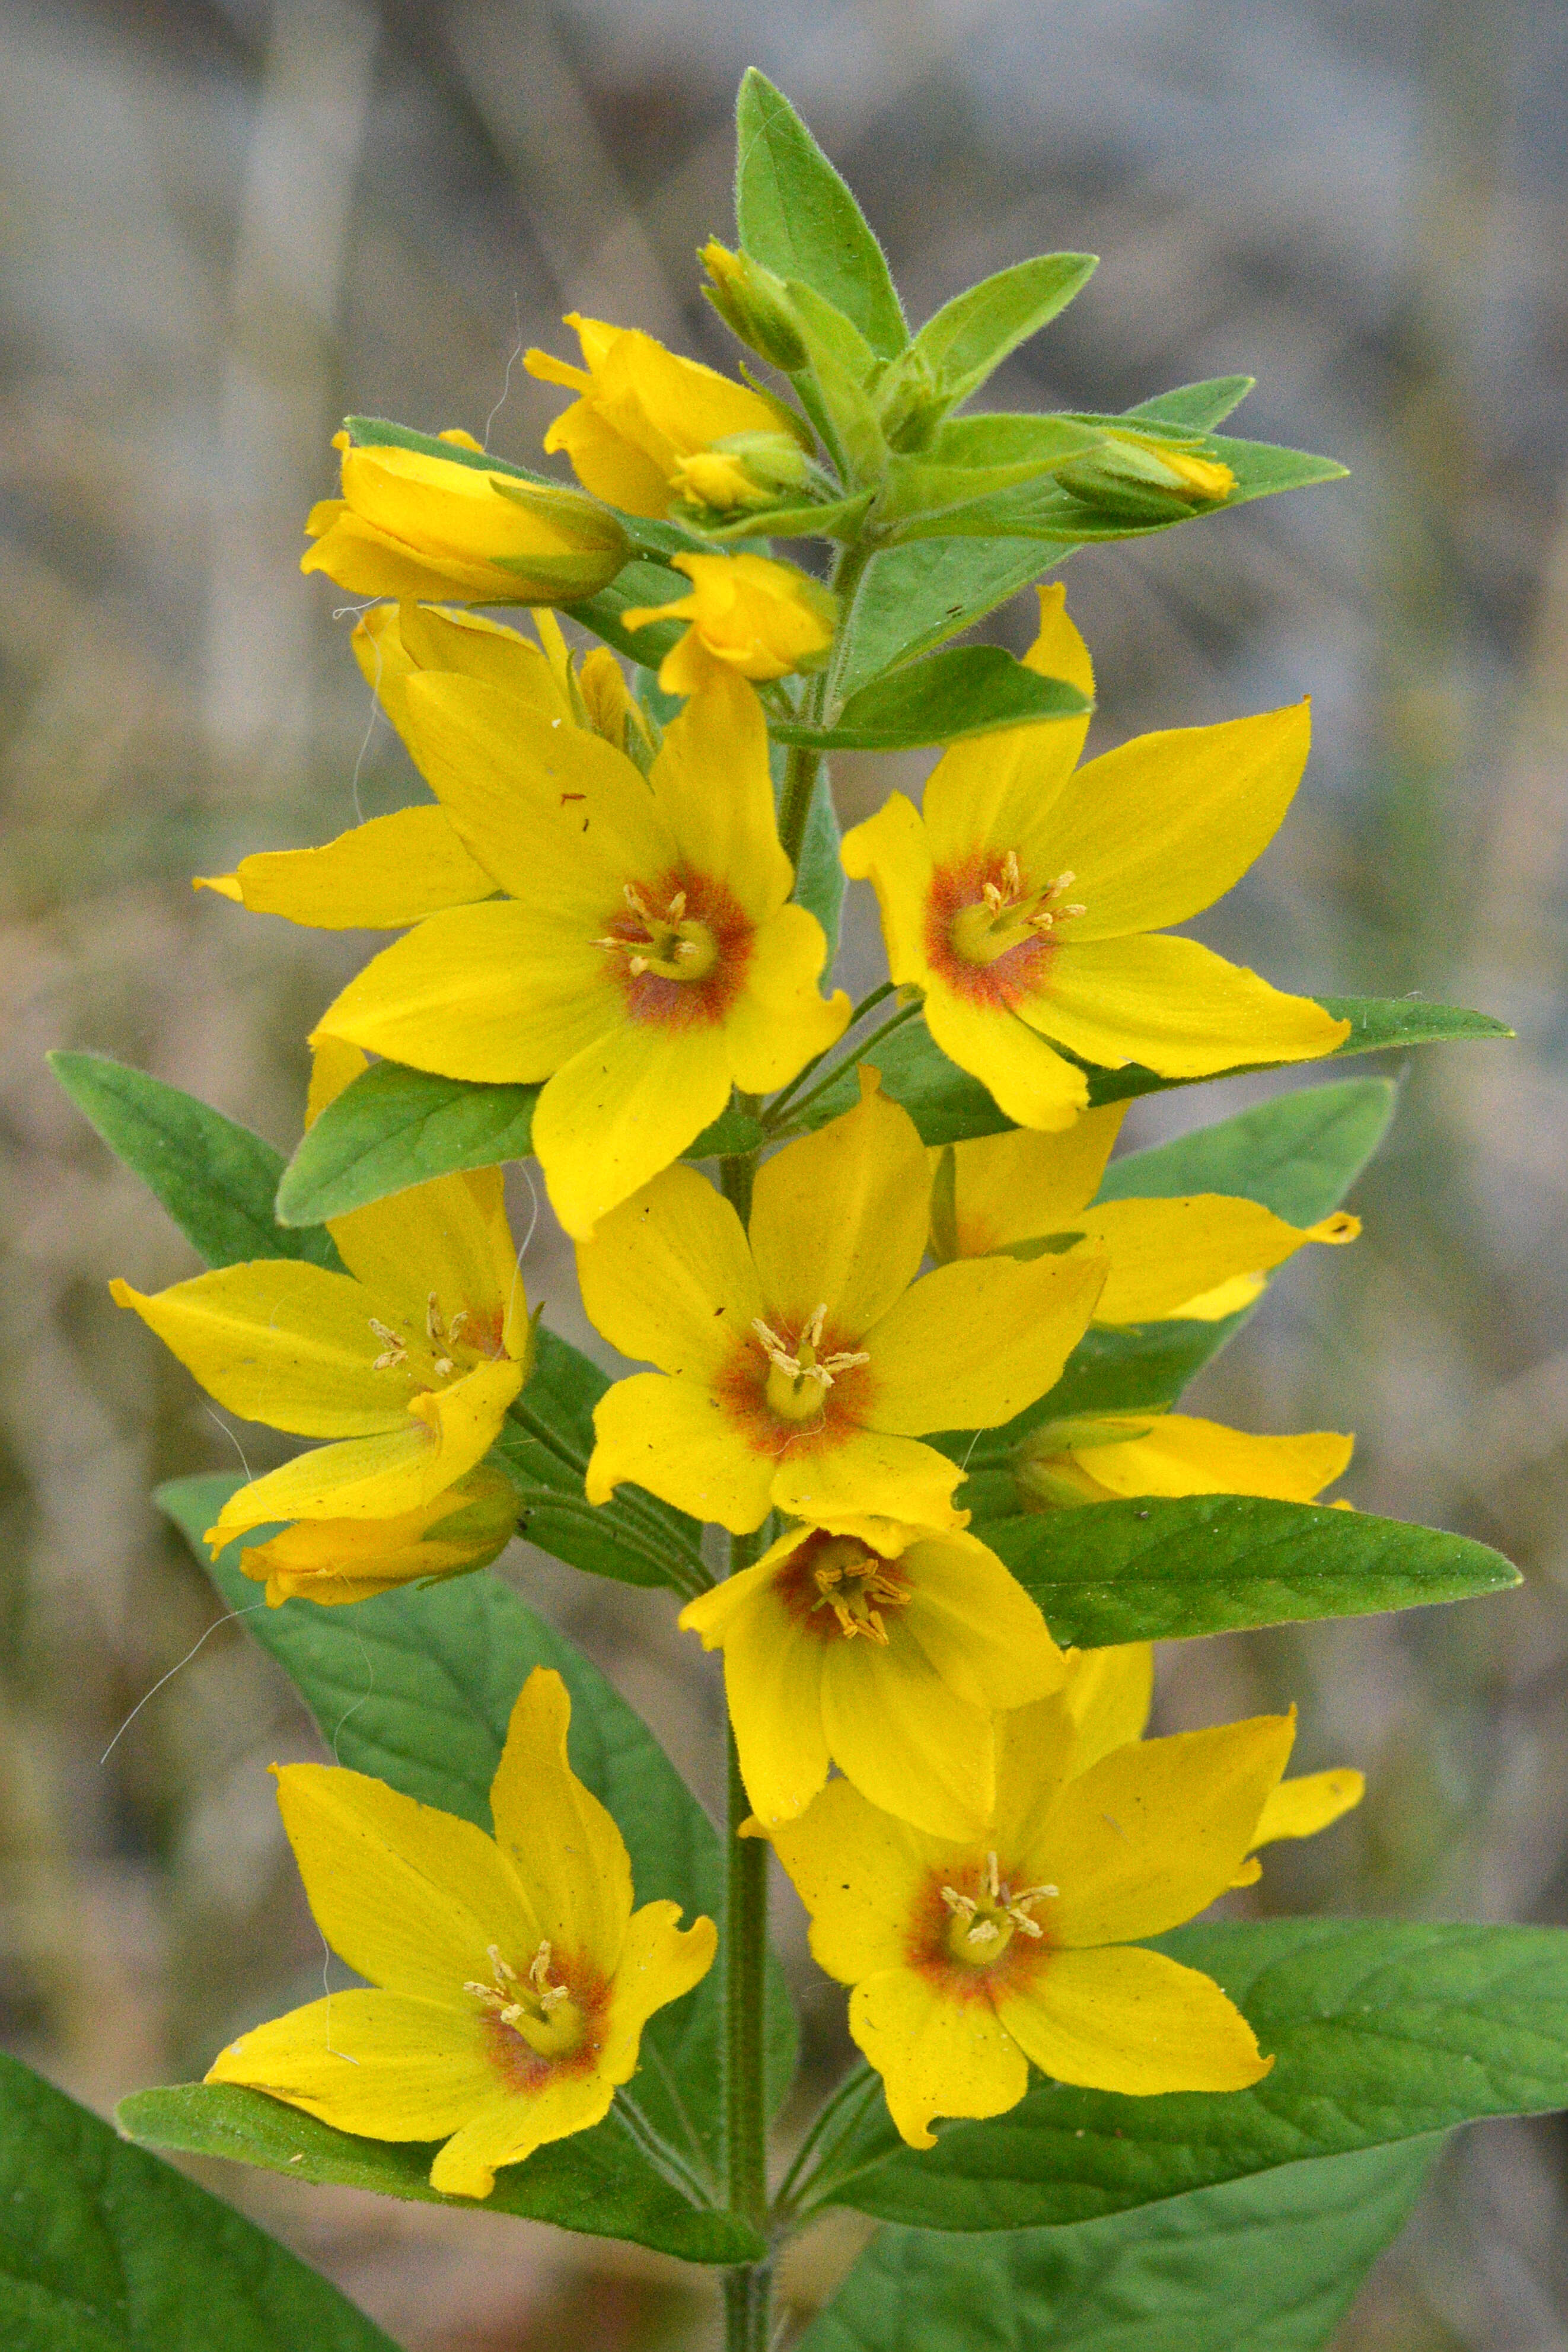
pixel 856 1586
pixel 394 1347
pixel 798 1382
pixel 1008 914
pixel 982 1926
pixel 540 2011
pixel 673 945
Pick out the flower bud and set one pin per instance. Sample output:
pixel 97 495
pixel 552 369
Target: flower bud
pixel 746 470
pixel 409 524
pixel 754 305
pixel 758 618
pixel 1138 477
pixel 332 1560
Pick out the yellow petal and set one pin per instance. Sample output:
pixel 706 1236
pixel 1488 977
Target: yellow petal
pixel 977 1625
pixel 673 1437
pixel 408 1896
pixel 838 1219
pixel 567 1854
pixel 331 1561
pixel 1164 1253
pixel 779 1022
pixel 1026 1080
pixel 448 1239
pixel 711 787
pixel 281 1342
pixel 973 1343
pixel 381 2064
pixel 500 993
pixel 937 2055
pixel 660 1962
pixel 1160 827
pixel 561 818
pixel 1226 1298
pixel 509 2129
pixel 891 850
pixel 773 1677
pixel 1109 1693
pixel 905 1737
pixel 334 1065
pixel 867 1471
pixel 1133 2022
pixel 1174 1006
pixel 607 464
pixel 388 872
pixel 1300 1808
pixel 667 1279
pixel 393 643
pixel 1184 1457
pixel 1015 1187
pixel 861 1874
pixel 1182 1813
pixel 992 791
pixel 1035 1757
pixel 623 1108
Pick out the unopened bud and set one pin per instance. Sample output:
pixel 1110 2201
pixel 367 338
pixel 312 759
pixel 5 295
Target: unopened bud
pixel 744 470
pixel 754 305
pixel 1138 476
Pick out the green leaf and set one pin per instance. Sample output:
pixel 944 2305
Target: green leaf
pixel 1380 2033
pixel 1161 1571
pixel 1270 2263
pixel 969 337
pixel 391 1128
pixel 819 878
pixel 1194 407
pixel 796 216
pixel 103 2249
pixel 216 1180
pixel 913 596
pixel 596 2181
pixel 416 1689
pixel 979 457
pixel 634 586
pixel 1298 1155
pixel 967 691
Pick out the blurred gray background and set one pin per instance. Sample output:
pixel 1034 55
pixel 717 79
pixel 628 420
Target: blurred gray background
pixel 224 225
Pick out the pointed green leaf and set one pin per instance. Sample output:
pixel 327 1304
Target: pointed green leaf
pixel 972 334
pixel 1270 2263
pixel 913 596
pixel 596 2181
pixel 391 1128
pixel 103 2249
pixel 416 1689
pixel 1378 1025
pixel 1194 407
pixel 796 216
pixel 1161 1571
pixel 216 1180
pixel 967 691
pixel 819 878
pixel 1298 1155
pixel 1380 2033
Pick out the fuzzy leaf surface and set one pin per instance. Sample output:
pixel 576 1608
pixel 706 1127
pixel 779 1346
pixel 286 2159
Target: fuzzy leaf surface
pixel 967 691
pixel 796 215
pixel 971 336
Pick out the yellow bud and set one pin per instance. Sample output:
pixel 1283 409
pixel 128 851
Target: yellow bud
pixel 754 305
pixel 1140 476
pixel 748 469
pixel 759 618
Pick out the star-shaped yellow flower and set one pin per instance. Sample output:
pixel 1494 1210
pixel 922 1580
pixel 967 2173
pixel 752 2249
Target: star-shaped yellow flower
pixel 799 1360
pixel 641 410
pixel 973 1961
pixel 885 1649
pixel 408 1360
pixel 510 1978
pixel 1029 903
pixel 645 957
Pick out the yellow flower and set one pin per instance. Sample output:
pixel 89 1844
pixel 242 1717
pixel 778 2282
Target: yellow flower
pixel 334 1561
pixel 970 1961
pixel 1025 900
pixel 800 1361
pixel 645 957
pixel 1107 1457
pixel 1108 1693
pixel 757 618
pixel 641 411
pixel 408 1360
pixel 885 1649
pixel 412 525
pixel 396 870
pixel 509 1976
pixel 1013 1191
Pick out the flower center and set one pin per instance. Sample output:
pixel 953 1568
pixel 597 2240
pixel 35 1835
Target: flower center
pixel 670 943
pixel 857 1585
pixel 981 1927
pixel 1007 915
pixel 534 2006
pixel 798 1382
pixel 450 1350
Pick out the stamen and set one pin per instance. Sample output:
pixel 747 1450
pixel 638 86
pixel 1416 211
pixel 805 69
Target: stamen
pixel 433 1326
pixel 992 1879
pixel 445 1368
pixel 984 1931
pixel 676 910
pixel 962 1906
pixel 456 1323
pixel 394 1347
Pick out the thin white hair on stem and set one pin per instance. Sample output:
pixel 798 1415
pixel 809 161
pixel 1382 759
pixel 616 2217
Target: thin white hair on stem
pixel 506 386
pixel 173 1670
pixel 369 728
pixel 364 1697
pixel 218 1423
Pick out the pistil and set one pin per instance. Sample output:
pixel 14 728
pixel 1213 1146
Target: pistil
pixel 535 2007
pixel 798 1382
pixel 1007 915
pixel 857 1585
pixel 672 944
pixel 982 1926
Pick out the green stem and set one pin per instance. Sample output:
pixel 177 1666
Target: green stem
pixel 830 1077
pixel 833 2121
pixel 800 1077
pixel 802 764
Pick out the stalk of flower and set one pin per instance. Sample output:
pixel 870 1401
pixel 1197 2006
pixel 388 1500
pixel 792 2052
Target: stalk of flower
pixel 510 1978
pixel 1028 1190
pixel 335 1560
pixel 410 524
pixel 642 412
pixel 800 1361
pixel 972 1960
pixel 407 1361
pixel 1110 1457
pixel 760 619
pixel 884 1649
pixel 393 870
pixel 645 957
pixel 1029 902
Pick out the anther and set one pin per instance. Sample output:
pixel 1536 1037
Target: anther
pixel 445 1368
pixel 394 1347
pixel 433 1328
pixel 962 1906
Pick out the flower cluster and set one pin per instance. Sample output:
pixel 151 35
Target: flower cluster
pixel 614 910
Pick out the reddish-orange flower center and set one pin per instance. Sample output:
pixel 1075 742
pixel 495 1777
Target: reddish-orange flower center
pixel 543 2019
pixel 991 928
pixel 680 945
pixel 836 1587
pixel 974 1931
pixel 795 1384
